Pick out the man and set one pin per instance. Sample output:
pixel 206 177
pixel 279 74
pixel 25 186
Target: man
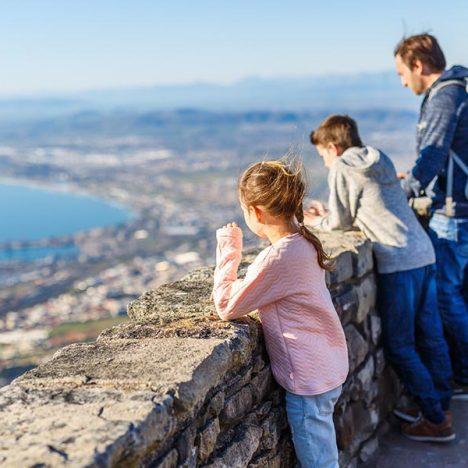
pixel 442 146
pixel 365 193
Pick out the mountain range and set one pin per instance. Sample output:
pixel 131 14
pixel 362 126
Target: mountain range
pixel 335 93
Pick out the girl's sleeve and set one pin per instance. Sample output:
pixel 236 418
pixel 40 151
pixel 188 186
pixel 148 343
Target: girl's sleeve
pixel 262 284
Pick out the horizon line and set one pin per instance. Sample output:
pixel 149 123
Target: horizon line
pixel 70 93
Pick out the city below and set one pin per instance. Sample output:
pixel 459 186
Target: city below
pixel 176 171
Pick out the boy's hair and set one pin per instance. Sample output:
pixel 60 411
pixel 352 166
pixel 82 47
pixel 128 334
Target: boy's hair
pixel 278 187
pixel 423 47
pixel 341 130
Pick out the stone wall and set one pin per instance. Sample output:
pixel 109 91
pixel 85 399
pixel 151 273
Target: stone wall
pixel 175 387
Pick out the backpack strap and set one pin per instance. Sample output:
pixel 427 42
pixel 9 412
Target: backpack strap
pixel 449 205
pixel 453 158
pixel 463 83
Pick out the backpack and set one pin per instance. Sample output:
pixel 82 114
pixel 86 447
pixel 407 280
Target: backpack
pixel 453 158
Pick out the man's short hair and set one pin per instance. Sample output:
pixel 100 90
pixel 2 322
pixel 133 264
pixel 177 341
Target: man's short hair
pixel 341 130
pixel 423 47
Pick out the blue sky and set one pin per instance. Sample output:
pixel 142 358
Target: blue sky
pixel 55 46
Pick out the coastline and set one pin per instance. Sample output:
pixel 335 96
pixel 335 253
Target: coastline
pixel 27 247
pixel 70 189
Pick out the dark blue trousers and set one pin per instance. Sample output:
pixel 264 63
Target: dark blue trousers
pixel 413 337
pixel 450 239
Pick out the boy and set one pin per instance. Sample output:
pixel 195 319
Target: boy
pixel 366 193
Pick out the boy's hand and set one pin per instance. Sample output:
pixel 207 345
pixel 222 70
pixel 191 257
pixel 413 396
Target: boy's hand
pixel 316 208
pixel 312 220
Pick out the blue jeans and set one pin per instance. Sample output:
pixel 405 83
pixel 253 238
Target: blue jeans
pixel 313 432
pixel 450 239
pixel 413 337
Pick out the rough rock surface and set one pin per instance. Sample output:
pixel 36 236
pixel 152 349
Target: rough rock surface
pixel 177 387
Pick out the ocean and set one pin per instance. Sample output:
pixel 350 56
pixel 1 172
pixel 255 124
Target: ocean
pixel 31 213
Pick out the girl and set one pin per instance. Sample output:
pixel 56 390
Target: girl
pixel 286 283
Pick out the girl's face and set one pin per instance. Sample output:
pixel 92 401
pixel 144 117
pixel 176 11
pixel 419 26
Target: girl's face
pixel 253 217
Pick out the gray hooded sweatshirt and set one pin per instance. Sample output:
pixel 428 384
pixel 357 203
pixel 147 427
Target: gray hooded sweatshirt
pixel 366 193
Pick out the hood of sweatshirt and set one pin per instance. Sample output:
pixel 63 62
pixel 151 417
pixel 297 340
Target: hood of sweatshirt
pixel 369 162
pixel 457 72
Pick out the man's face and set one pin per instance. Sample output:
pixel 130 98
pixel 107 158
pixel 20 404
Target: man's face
pixel 411 77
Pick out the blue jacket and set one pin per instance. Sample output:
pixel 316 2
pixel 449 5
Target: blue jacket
pixel 443 126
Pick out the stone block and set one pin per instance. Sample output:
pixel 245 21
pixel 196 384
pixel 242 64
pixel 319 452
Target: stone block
pixel 362 386
pixel 264 409
pixel 357 347
pixel 191 460
pixel 267 461
pixel 343 270
pixel 236 381
pixel 353 463
pixel 277 396
pixel 375 325
pixel 238 405
pixel 261 383
pixel 169 461
pixel 207 439
pixel 240 451
pixel 366 295
pixel 363 261
pixel 369 450
pixel 271 431
pixel 215 404
pixel 366 420
pixel 389 391
pixel 379 361
pixel 259 364
pixel 283 456
pixel 366 374
pixel 185 444
pixel 189 298
pixel 346 304
pixel 345 428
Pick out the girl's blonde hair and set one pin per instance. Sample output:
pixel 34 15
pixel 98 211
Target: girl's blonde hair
pixel 279 188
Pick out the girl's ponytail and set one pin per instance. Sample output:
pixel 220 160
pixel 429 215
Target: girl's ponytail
pixel 322 257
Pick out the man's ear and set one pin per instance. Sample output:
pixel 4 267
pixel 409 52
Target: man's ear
pixel 419 68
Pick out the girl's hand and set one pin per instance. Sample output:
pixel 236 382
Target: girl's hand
pixel 229 245
pixel 230 225
pixel 229 236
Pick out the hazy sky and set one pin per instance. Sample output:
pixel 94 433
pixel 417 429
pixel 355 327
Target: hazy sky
pixel 64 45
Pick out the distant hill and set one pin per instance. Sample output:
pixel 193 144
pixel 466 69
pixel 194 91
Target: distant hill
pixel 331 92
pixel 185 128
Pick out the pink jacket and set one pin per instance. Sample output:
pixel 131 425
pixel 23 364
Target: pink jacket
pixel 303 334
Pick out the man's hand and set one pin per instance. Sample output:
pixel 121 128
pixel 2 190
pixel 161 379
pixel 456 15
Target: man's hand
pixel 401 175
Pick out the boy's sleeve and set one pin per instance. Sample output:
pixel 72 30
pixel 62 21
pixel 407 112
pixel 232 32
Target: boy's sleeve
pixel 341 208
pixel 262 284
pixel 434 148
